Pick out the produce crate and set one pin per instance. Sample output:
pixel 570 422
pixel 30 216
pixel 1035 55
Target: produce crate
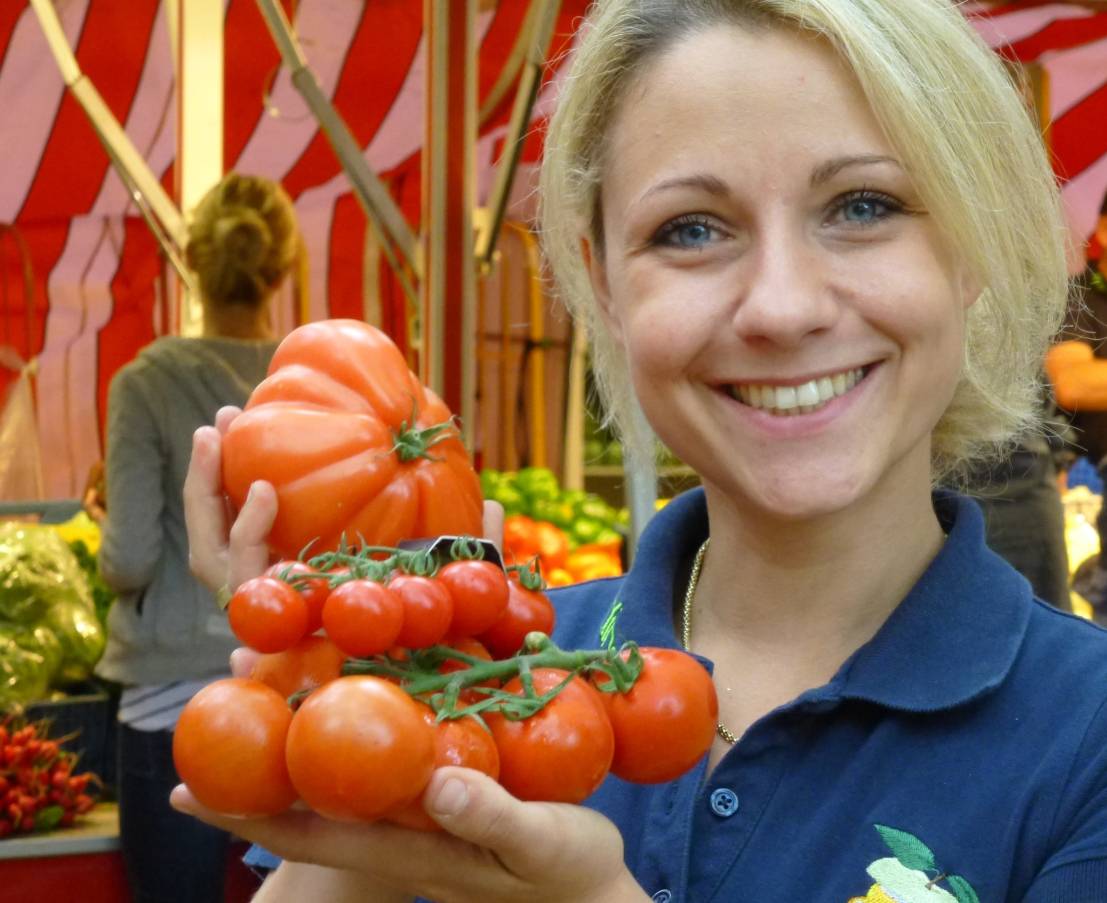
pixel 88 710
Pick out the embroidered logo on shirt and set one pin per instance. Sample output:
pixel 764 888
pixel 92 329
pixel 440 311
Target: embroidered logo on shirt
pixel 910 874
pixel 607 628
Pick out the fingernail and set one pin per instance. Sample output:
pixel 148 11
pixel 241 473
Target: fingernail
pixel 250 491
pixel 452 798
pixel 180 799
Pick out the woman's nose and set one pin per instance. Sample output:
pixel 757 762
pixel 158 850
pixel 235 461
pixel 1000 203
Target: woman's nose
pixel 784 296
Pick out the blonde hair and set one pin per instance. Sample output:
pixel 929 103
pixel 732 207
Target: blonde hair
pixel 243 240
pixel 962 130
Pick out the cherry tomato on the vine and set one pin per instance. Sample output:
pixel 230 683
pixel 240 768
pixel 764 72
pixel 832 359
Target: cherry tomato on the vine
pixel 358 748
pixel 563 752
pixel 229 748
pixel 480 594
pixel 312 662
pixel 527 610
pixel 428 610
pixel 314 590
pixel 666 721
pixel 477 649
pixel 267 614
pixel 362 617
pixel 458 741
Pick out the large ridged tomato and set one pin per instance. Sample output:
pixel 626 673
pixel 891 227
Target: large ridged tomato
pixel 353 443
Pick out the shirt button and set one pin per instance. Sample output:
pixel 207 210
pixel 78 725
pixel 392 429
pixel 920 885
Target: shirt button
pixel 662 896
pixel 724 802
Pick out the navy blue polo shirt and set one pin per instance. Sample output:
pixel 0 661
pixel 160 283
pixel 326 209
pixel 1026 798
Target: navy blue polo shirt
pixel 960 755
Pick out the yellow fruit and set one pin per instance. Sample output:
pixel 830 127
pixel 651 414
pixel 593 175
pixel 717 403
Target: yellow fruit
pixel 877 894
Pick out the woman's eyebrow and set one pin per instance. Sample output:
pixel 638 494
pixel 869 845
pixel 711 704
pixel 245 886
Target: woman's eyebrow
pixel 702 181
pixel 826 171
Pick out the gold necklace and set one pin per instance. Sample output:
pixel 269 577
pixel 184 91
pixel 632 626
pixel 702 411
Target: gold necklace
pixel 686 624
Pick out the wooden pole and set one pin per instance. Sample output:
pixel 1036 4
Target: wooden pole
pixel 448 328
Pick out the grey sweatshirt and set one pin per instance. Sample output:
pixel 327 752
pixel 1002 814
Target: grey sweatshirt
pixel 165 626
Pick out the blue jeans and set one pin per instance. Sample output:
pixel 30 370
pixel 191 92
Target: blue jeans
pixel 169 857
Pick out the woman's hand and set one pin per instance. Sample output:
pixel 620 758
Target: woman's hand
pixel 495 848
pixel 222 554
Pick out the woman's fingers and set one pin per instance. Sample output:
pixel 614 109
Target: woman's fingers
pixel 224 416
pixel 494 523
pixel 243 660
pixel 248 554
pixel 473 807
pixel 205 510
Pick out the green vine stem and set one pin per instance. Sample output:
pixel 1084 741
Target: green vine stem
pixel 420 677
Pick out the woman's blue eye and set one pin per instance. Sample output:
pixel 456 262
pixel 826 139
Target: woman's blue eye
pixel 865 209
pixel 686 233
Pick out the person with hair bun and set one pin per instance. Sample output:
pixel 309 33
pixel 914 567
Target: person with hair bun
pixel 818 251
pixel 166 635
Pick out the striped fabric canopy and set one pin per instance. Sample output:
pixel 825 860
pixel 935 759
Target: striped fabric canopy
pixel 81 279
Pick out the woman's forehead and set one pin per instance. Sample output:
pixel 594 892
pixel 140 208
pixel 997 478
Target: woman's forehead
pixel 728 98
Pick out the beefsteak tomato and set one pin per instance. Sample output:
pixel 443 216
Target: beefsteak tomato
pixel 353 443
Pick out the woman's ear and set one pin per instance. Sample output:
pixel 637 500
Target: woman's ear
pixel 601 289
pixel 969 286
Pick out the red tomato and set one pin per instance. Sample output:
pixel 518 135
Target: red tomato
pixel 331 428
pixel 362 617
pixel 527 610
pixel 428 610
pixel 267 614
pixel 459 741
pixel 229 748
pixel 314 591
pixel 519 540
pixel 479 591
pixel 553 544
pixel 562 753
pixel 473 647
pixel 358 748
pixel 667 720
pixel 312 662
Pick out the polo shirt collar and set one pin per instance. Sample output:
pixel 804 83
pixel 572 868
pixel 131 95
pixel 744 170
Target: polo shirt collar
pixel 952 639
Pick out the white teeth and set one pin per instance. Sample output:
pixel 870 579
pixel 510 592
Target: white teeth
pixel 795 400
pixel 808 394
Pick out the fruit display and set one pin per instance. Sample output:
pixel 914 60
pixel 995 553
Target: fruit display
pixel 427 656
pixel 39 790
pixel 575 535
pixel 353 443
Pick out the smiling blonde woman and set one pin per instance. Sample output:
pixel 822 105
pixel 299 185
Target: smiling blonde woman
pixel 817 244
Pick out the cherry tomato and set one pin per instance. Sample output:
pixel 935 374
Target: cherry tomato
pixel 479 591
pixel 459 741
pixel 314 591
pixel 359 747
pixel 667 720
pixel 428 610
pixel 473 647
pixel 362 617
pixel 267 614
pixel 527 610
pixel 563 752
pixel 229 748
pixel 312 662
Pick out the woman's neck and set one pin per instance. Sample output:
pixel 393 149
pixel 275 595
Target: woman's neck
pixel 238 321
pixel 818 588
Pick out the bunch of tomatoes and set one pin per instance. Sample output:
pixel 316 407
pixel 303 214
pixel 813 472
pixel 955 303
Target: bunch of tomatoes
pixel 379 665
pixel 38 789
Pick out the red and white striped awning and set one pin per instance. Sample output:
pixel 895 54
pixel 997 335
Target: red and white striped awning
pixel 96 290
